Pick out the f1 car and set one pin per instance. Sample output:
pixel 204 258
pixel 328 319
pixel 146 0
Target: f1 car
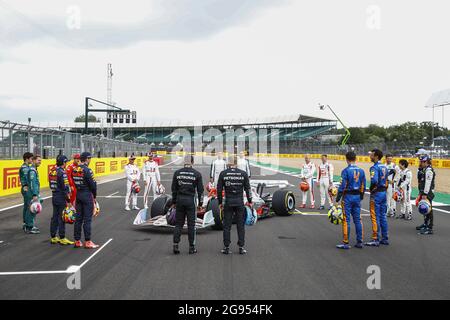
pixel 280 203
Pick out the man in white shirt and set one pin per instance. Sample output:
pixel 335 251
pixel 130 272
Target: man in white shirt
pixel 152 178
pixel 325 181
pixel 393 176
pixel 217 167
pixel 133 175
pixel 243 164
pixel 404 183
pixel 307 175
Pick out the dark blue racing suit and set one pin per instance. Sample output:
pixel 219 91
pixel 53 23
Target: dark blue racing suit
pixel 86 186
pixel 59 184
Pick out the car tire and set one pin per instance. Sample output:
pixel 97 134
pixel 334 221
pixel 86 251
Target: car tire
pixel 283 202
pixel 213 205
pixel 160 205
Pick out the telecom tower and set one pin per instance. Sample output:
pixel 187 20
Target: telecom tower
pixel 109 130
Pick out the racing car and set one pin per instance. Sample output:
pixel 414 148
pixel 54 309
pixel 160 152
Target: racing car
pixel 280 203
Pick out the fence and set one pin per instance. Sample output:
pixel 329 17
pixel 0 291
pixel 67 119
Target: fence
pixel 398 149
pixel 16 139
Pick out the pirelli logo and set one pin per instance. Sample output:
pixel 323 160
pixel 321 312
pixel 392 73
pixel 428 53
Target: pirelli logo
pixel 123 163
pixel 100 167
pixel 113 166
pixel 11 178
pixel 445 163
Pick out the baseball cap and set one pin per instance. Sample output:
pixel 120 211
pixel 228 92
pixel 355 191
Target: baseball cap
pixel 424 158
pixel 132 157
pixel 76 156
pixel 85 155
pixel 61 159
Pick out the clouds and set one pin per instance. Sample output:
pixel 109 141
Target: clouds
pixel 195 59
pixel 184 20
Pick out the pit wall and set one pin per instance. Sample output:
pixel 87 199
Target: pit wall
pixel 9 171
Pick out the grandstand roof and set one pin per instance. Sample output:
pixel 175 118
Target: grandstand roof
pixel 287 119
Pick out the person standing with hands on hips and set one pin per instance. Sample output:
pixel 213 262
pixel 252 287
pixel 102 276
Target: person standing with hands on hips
pixel 235 182
pixel 86 185
pixel 187 185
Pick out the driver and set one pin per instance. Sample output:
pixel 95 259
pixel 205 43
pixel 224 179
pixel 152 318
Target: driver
pixel 234 181
pixel 186 186
pixel 152 178
pixel 217 167
pixel 133 175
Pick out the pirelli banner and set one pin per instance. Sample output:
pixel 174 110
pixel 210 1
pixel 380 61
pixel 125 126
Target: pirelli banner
pixel 9 171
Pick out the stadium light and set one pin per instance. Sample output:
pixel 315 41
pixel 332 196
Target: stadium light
pixel 348 134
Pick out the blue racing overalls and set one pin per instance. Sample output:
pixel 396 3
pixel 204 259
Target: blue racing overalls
pixel 86 186
pixel 378 201
pixel 351 191
pixel 59 184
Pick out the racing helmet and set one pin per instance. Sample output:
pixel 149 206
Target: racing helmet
pixel 304 186
pixel 398 195
pixel 160 190
pixel 96 208
pixel 333 191
pixel 68 215
pixel 35 207
pixel 250 216
pixel 136 188
pixel 424 207
pixel 335 215
pixel 171 216
pixel 209 187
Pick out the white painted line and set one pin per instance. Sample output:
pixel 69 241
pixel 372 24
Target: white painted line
pixel 118 197
pixel 69 270
pixel 112 194
pixel 96 252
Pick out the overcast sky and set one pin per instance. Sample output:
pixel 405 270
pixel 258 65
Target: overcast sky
pixel 373 61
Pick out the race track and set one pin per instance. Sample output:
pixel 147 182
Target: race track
pixel 289 258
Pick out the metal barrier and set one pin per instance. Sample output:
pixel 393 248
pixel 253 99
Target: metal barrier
pixel 398 149
pixel 16 139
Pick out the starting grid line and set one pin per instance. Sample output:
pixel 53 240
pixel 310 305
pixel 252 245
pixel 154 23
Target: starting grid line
pixel 70 270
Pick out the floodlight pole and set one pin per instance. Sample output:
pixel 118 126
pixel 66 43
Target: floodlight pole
pixel 348 134
pixel 434 106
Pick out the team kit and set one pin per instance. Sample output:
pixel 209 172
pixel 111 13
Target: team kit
pixel 74 193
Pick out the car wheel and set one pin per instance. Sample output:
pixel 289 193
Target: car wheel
pixel 217 214
pixel 283 202
pixel 160 206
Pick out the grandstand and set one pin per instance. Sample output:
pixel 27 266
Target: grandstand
pixel 162 135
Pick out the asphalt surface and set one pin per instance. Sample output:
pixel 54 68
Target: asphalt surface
pixel 288 258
